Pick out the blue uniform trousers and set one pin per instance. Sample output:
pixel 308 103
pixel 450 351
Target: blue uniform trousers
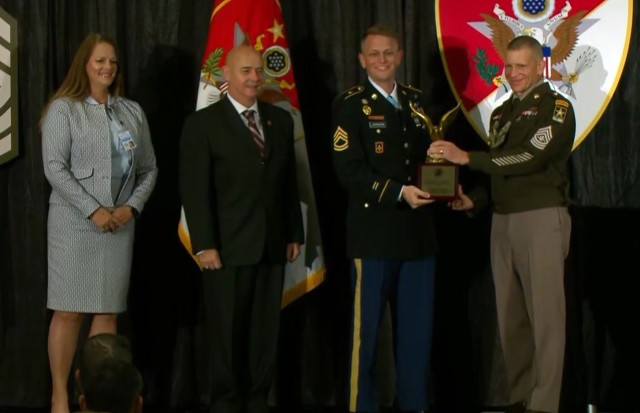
pixel 409 287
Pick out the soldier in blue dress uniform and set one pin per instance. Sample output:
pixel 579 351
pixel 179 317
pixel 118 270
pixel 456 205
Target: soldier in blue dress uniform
pixel 378 144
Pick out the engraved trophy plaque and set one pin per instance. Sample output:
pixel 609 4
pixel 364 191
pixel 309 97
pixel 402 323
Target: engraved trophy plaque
pixel 437 176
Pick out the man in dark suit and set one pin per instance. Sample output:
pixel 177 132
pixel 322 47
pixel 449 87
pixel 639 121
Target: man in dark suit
pixel 239 192
pixel 377 145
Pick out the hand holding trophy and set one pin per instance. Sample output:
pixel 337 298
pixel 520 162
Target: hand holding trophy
pixel 436 175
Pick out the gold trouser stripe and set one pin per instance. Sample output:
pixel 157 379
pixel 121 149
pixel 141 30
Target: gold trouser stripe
pixel 355 349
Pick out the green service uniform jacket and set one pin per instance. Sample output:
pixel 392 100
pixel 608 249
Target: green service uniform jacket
pixel 376 150
pixel 530 142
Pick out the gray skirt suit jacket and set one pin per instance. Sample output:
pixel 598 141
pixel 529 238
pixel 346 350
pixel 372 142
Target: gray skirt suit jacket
pixel 89 269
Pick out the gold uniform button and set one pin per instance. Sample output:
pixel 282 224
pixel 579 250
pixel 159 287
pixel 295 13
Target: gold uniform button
pixel 406 162
pixel 366 205
pixel 408 179
pixel 406 145
pixel 404 129
pixel 378 131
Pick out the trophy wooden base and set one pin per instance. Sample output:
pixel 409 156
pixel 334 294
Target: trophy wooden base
pixel 440 179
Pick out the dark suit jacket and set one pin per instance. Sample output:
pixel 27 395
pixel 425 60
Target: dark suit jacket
pixel 235 201
pixel 376 150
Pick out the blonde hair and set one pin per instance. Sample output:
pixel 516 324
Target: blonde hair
pixel 380 30
pixel 76 84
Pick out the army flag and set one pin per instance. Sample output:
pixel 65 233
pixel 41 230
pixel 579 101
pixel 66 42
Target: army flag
pixel 259 23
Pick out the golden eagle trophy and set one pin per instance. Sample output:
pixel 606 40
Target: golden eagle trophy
pixel 438 177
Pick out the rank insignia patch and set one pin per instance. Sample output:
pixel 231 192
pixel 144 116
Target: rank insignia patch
pixel 379 147
pixel 542 137
pixel 340 140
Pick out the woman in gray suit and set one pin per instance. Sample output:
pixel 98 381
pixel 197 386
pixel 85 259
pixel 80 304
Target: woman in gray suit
pixel 99 160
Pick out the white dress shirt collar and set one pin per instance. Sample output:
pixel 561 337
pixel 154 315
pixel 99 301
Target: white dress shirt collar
pixel 241 108
pixel 394 92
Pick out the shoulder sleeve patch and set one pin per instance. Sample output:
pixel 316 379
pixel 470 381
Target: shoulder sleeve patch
pixel 340 140
pixel 560 111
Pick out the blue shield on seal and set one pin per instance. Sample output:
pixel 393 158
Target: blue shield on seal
pixel 533 7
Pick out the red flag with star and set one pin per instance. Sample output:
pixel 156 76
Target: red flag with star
pixel 259 23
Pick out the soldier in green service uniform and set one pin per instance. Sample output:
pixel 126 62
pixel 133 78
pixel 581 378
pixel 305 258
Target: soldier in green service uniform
pixel 530 140
pixel 377 145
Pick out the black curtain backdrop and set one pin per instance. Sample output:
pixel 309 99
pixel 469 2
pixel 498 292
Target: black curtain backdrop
pixel 161 45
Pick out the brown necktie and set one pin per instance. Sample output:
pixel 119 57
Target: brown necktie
pixel 253 128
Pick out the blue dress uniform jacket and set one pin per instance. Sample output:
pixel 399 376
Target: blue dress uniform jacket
pixel 376 150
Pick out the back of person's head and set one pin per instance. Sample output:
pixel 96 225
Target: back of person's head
pixel 100 348
pixel 113 386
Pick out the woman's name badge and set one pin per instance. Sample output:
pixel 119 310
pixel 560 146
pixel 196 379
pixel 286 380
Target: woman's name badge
pixel 126 140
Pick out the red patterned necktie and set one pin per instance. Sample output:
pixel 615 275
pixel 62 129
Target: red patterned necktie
pixel 253 128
